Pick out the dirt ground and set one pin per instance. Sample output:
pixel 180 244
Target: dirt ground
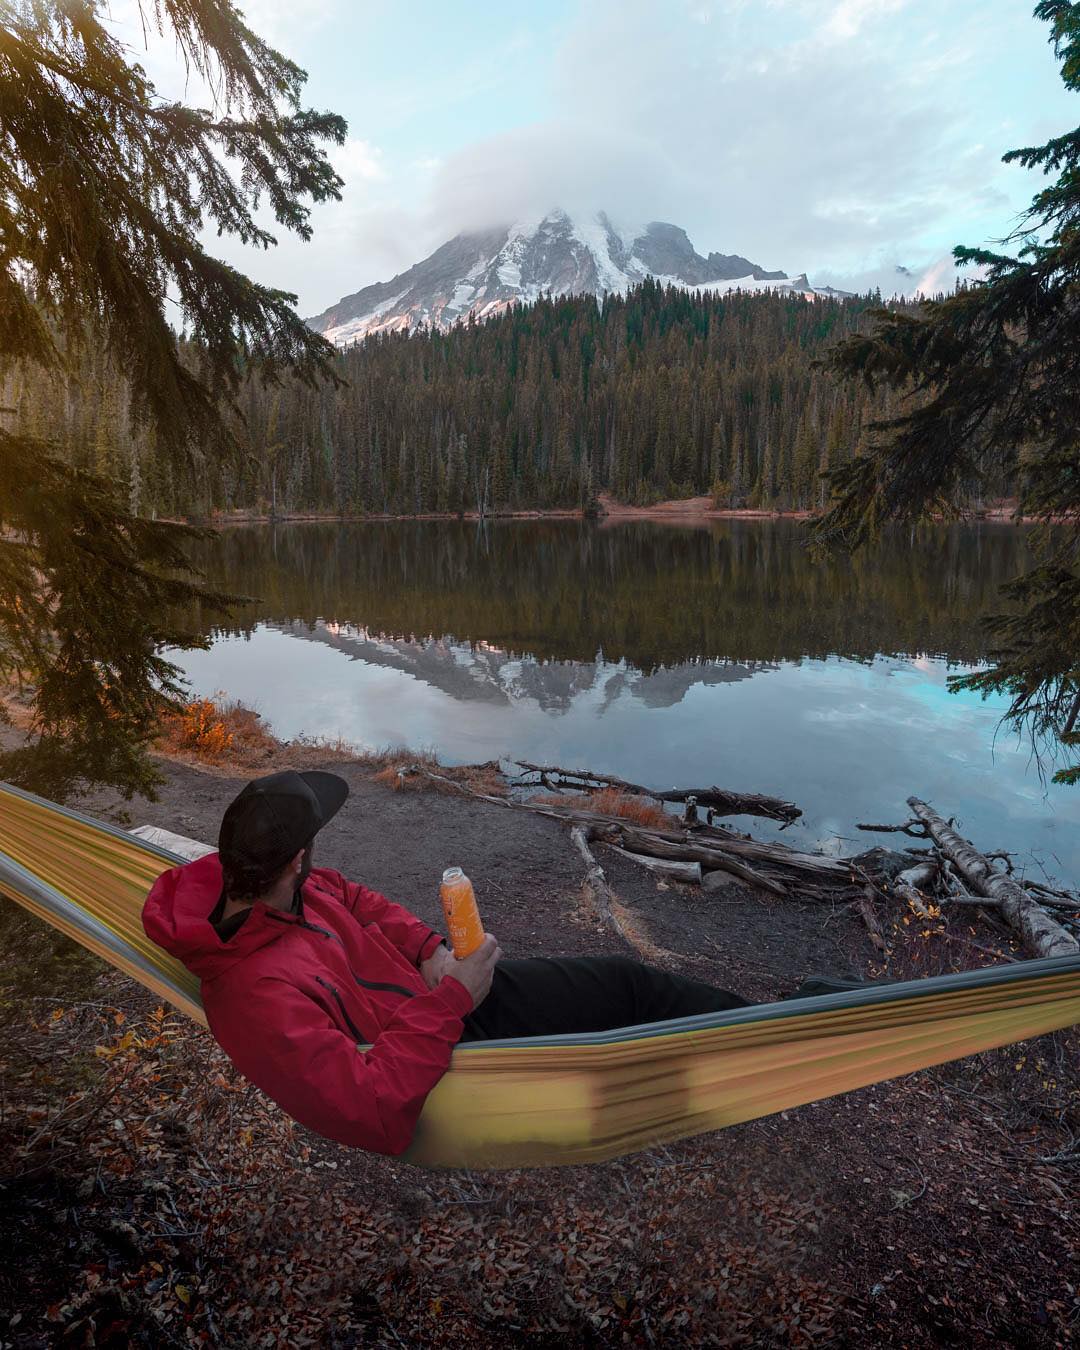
pixel 938 1209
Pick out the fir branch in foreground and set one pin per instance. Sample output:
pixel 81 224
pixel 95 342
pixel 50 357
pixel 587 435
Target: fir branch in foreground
pixel 86 594
pixel 992 377
pixel 105 190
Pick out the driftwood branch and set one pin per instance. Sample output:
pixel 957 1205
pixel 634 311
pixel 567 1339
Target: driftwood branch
pixel 714 849
pixel 716 799
pixel 1041 934
pixel 689 872
pixel 865 906
pixel 913 827
pixel 908 885
pixel 606 900
pixel 1053 899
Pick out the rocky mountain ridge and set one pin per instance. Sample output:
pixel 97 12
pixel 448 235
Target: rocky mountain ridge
pixel 478 274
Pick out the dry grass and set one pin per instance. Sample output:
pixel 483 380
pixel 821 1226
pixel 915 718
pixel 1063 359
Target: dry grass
pixel 216 730
pixel 222 736
pixel 611 802
pixel 486 777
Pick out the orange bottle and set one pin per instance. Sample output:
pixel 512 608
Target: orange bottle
pixel 462 916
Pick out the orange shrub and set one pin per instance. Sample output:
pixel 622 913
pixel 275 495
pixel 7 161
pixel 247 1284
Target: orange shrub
pixel 611 802
pixel 197 727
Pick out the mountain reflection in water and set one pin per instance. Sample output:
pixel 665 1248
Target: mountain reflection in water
pixel 633 649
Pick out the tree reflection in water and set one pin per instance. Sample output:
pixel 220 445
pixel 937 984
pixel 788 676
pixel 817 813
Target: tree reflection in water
pixel 659 653
pixel 649 595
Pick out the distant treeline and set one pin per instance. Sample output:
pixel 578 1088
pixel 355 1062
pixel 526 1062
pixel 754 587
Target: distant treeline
pixel 658 393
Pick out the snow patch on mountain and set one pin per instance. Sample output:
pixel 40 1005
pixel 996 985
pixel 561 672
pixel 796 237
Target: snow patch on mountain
pixel 482 273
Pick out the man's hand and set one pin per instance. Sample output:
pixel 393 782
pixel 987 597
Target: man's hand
pixel 441 962
pixel 475 972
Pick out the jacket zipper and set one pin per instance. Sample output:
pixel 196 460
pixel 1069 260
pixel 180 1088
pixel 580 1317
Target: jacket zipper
pixel 367 984
pixel 349 1022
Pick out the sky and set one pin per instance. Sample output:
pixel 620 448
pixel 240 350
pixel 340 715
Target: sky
pixel 844 138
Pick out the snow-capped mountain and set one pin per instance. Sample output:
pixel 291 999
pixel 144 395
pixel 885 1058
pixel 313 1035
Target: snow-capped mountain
pixel 483 272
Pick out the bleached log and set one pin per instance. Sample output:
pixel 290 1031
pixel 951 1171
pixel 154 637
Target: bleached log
pixel 1041 935
pixel 596 880
pixel 689 872
pixel 907 885
pixel 706 844
pixel 659 846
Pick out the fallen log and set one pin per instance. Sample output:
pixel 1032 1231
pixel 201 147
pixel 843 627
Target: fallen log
pixel 755 850
pixel 689 872
pixel 817 877
pixel 659 846
pixel 716 799
pixel 1041 935
pixel 676 845
pixel 606 900
pixel 907 886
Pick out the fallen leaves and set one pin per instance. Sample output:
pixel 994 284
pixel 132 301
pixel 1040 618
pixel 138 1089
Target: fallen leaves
pixel 162 1200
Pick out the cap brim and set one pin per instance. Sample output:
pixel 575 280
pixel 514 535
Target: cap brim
pixel 329 789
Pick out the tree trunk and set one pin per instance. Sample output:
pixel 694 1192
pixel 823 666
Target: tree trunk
pixel 1041 935
pixel 705 846
pixel 674 871
pixel 657 846
pixel 606 900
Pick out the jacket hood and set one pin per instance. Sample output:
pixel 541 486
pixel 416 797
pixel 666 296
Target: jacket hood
pixel 176 915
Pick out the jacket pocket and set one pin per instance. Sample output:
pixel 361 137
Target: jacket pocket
pixel 341 1005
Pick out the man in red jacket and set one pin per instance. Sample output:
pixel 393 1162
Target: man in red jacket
pixel 300 969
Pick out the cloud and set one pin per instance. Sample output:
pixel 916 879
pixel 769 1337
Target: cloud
pixel 357 159
pixel 532 169
pixel 803 144
pixel 842 137
pixel 847 18
pixel 922 276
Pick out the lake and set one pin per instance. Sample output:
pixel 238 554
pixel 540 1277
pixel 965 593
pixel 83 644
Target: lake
pixel 669 655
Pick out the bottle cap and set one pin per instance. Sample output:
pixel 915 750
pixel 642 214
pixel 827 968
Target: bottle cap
pixel 452 874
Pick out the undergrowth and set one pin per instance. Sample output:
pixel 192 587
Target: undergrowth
pixel 611 802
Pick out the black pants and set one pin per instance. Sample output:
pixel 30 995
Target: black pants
pixel 547 996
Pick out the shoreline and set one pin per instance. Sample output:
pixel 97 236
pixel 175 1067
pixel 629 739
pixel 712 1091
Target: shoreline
pixel 677 511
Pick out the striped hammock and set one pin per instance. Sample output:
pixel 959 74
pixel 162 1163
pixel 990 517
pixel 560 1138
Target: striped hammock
pixel 570 1099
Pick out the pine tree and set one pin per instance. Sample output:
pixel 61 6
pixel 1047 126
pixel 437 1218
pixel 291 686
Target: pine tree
pixel 106 187
pixel 994 378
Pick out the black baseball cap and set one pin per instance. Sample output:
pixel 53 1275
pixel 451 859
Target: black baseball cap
pixel 275 816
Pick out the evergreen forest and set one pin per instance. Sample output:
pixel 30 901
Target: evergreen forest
pixel 655 394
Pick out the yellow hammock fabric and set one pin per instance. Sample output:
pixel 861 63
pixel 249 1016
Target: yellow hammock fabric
pixel 570 1099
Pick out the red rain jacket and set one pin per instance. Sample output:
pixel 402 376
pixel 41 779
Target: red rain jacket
pixel 291 997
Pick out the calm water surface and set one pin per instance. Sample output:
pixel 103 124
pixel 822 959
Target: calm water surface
pixel 663 654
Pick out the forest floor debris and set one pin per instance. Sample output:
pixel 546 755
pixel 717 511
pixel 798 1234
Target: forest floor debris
pixel 151 1197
